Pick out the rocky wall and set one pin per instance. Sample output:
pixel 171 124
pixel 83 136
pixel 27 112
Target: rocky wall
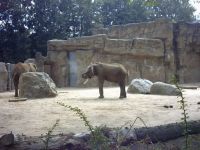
pixel 6 82
pixel 59 67
pixel 154 50
pixel 162 29
pixel 3 77
pixel 188 47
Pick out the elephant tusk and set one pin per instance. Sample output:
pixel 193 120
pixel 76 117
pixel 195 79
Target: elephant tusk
pixel 85 81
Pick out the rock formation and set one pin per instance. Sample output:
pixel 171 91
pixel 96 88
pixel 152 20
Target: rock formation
pixel 36 85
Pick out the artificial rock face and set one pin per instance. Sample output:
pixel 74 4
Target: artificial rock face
pixel 147 50
pixel 36 85
pixel 3 77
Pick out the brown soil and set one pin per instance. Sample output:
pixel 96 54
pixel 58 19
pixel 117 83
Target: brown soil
pixel 34 116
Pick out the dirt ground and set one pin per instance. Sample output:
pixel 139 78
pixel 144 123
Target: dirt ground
pixel 34 116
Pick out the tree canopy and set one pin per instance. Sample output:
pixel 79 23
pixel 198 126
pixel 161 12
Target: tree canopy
pixel 27 25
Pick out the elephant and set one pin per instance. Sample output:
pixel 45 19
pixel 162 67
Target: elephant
pixel 18 69
pixel 110 72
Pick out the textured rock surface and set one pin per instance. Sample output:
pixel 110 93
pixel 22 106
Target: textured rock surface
pixel 59 67
pixel 153 50
pixel 140 86
pixel 161 88
pixel 36 85
pixel 83 43
pixel 3 77
pixel 138 47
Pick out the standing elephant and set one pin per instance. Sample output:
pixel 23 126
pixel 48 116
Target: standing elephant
pixel 109 72
pixel 20 68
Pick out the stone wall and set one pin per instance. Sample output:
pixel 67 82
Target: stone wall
pixel 152 50
pixel 6 82
pixel 188 50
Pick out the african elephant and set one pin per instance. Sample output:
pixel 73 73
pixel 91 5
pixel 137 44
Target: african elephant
pixel 109 72
pixel 20 68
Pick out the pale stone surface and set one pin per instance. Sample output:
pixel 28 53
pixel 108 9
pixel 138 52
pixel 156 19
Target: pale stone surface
pixel 3 77
pixel 118 45
pixel 138 47
pixel 10 83
pixel 140 86
pixel 36 85
pixel 161 88
pixel 80 43
pixel 59 67
pixel 188 46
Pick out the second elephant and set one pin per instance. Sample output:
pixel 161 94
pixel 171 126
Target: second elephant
pixel 20 68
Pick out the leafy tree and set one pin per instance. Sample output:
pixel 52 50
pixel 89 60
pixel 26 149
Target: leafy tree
pixel 27 25
pixel 177 10
pixel 13 29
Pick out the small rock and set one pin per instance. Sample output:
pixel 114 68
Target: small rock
pixel 85 136
pixel 129 135
pixel 73 144
pixel 7 140
pixel 198 103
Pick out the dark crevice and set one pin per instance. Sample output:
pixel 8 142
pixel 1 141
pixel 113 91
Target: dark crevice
pixel 175 50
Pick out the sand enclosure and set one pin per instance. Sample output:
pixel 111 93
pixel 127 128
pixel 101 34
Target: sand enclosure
pixel 34 117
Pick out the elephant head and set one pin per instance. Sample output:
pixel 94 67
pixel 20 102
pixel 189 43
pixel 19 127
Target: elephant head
pixel 90 72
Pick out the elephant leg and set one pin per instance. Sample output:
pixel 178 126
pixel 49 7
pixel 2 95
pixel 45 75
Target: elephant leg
pixel 122 90
pixel 101 81
pixel 16 83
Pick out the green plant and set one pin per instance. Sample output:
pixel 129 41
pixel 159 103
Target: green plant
pixel 98 141
pixel 183 107
pixel 46 138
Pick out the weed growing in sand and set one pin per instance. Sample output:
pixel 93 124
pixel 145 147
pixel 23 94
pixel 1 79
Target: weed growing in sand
pixel 183 107
pixel 46 138
pixel 98 141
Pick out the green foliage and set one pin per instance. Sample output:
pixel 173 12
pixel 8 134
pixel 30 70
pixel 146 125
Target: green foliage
pixel 47 137
pixel 98 141
pixel 183 107
pixel 176 10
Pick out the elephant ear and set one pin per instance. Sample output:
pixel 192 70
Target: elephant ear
pixel 34 65
pixel 94 69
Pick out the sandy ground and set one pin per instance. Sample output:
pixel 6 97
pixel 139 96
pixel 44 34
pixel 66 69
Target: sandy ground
pixel 33 117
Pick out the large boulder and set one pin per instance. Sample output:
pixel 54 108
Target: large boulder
pixel 3 77
pixel 36 85
pixel 140 86
pixel 161 88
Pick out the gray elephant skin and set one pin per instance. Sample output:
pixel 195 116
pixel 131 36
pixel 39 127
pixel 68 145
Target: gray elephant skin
pixel 110 72
pixel 20 68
